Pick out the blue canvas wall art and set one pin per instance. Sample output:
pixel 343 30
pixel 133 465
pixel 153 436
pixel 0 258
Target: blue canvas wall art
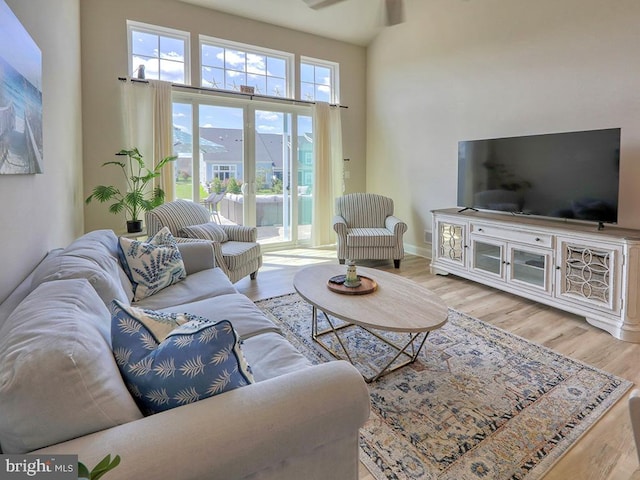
pixel 20 97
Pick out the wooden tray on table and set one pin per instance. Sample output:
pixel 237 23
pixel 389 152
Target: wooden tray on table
pixel 367 285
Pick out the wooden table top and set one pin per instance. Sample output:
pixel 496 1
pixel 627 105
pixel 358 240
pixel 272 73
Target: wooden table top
pixel 398 304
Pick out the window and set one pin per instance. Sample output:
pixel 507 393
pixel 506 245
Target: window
pixel 224 172
pixel 318 80
pixel 158 53
pixel 229 66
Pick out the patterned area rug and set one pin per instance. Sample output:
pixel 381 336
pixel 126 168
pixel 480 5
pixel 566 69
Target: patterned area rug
pixel 479 403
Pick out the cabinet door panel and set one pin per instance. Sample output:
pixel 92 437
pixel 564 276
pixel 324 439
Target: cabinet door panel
pixel 488 257
pixel 451 242
pixel 530 268
pixel 588 274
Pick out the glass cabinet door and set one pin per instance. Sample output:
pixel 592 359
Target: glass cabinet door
pixel 529 267
pixel 487 257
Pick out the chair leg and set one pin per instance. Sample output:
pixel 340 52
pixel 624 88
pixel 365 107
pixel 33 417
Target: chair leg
pixel 396 263
pixel 253 275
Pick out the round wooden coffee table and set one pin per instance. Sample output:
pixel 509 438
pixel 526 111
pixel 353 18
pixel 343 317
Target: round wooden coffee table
pixel 397 305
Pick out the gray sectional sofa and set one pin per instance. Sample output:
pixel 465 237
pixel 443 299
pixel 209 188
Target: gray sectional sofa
pixel 61 391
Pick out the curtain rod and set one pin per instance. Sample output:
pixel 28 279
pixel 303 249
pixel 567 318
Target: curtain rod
pixel 234 94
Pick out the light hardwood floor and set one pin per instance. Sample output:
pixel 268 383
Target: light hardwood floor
pixel 606 451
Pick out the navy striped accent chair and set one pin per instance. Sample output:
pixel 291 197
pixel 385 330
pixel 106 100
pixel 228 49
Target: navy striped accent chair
pixel 367 228
pixel 238 255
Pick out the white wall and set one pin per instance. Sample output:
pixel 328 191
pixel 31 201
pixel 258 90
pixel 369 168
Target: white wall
pixel 460 70
pixel 41 212
pixel 104 58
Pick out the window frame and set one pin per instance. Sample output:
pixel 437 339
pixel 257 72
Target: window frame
pixel 287 57
pixel 160 31
pixel 334 69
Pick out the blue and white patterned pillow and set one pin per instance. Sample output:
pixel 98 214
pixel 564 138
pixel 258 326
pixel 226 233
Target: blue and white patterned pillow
pixel 195 360
pixel 151 265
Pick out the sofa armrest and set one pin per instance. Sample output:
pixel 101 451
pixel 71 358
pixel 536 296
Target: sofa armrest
pixel 236 434
pixel 340 225
pixel 397 226
pixel 241 233
pixel 197 255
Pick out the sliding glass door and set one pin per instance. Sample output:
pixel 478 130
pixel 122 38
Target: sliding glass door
pixel 259 157
pixel 272 166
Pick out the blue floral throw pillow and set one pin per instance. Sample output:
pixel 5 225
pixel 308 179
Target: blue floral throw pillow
pixel 151 265
pixel 165 368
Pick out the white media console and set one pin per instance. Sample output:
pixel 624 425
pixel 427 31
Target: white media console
pixel 569 265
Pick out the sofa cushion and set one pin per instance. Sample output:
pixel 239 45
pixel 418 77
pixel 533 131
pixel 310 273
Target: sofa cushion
pixel 247 319
pixel 196 360
pixel 370 237
pixel 205 231
pixel 59 379
pixel 151 265
pixel 271 355
pixel 197 286
pixel 94 257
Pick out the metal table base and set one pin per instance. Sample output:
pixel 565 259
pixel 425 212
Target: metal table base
pixel 410 349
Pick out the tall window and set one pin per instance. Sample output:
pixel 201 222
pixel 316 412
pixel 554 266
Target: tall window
pixel 230 66
pixel 158 53
pixel 319 80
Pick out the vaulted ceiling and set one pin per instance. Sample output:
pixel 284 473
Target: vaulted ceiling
pixel 353 21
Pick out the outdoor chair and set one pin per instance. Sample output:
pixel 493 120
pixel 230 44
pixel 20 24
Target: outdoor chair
pixel 212 202
pixel 367 228
pixel 236 249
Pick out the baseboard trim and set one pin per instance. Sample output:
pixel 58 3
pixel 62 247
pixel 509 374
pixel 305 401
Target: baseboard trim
pixel 424 252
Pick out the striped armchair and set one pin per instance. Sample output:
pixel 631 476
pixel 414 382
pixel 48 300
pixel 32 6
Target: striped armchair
pixel 367 229
pixel 238 255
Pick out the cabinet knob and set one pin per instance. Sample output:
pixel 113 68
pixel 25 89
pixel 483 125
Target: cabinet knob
pixel 537 239
pixel 558 267
pixel 480 230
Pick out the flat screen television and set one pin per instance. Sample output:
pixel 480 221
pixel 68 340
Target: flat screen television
pixel 572 175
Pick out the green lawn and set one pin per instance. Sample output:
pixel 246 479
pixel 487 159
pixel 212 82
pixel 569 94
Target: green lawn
pixel 184 189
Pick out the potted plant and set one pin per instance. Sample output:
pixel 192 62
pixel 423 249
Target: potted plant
pixel 138 197
pixel 99 470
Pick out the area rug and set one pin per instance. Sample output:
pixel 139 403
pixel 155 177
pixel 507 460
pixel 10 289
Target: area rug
pixel 479 403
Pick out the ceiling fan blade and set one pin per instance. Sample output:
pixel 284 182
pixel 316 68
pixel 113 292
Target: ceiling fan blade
pixel 395 11
pixel 318 4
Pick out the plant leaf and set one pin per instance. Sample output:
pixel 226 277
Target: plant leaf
pixel 83 471
pixel 96 474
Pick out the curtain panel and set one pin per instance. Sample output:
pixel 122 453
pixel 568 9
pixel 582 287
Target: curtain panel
pixel 147 120
pixel 328 175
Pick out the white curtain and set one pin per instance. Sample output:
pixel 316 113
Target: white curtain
pixel 147 120
pixel 328 173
